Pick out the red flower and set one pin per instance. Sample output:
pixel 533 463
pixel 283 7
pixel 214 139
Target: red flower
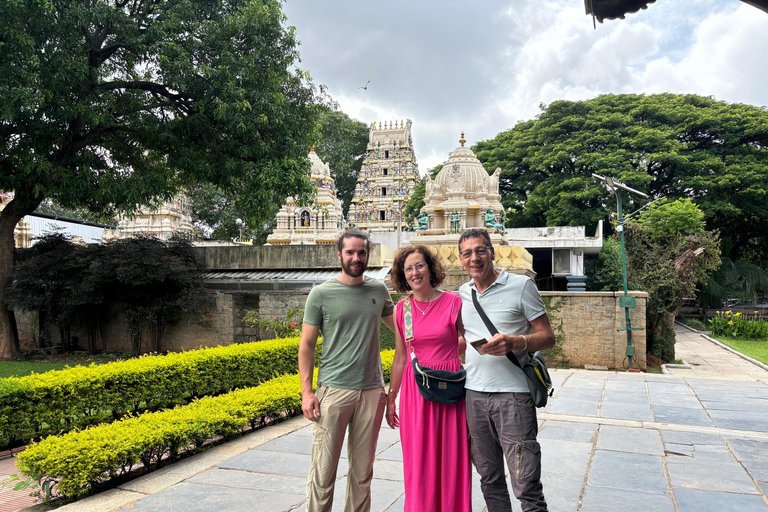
pixel 293 324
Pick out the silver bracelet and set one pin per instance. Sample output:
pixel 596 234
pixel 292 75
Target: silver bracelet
pixel 525 349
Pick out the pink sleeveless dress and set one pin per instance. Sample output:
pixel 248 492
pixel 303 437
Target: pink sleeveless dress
pixel 436 454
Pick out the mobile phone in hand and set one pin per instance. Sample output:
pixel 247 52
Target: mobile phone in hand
pixel 478 343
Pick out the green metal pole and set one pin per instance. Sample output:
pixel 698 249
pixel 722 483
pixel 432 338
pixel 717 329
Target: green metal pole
pixel 627 322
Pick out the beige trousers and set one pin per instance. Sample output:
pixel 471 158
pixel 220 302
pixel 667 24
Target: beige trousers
pixel 362 411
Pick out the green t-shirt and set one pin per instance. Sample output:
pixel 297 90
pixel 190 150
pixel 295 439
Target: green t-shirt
pixel 348 317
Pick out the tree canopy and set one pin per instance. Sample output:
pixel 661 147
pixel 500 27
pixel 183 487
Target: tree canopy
pixel 342 146
pixel 150 281
pixel 668 259
pixel 666 145
pixel 108 104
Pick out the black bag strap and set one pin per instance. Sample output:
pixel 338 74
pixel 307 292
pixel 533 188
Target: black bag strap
pixel 492 328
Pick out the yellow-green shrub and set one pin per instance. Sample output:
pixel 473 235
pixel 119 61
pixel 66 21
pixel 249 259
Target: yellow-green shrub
pixel 59 401
pixel 76 463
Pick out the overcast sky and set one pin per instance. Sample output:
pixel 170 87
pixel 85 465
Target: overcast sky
pixel 483 66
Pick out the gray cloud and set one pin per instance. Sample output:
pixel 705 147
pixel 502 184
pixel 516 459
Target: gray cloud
pixel 482 67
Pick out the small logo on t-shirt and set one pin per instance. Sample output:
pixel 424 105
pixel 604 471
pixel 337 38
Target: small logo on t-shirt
pixel 373 300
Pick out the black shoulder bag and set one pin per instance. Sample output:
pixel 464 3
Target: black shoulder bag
pixel 440 386
pixel 535 370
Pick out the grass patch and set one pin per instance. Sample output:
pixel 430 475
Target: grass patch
pixel 24 368
pixel 693 323
pixel 756 349
pixel 56 362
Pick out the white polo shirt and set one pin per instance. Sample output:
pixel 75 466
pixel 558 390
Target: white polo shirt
pixel 511 302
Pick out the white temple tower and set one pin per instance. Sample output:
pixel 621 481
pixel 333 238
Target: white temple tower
pixel 171 219
pixel 386 179
pixel 315 224
pixel 463 196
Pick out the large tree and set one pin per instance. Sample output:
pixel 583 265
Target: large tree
pixel 217 214
pixel 342 146
pixel 668 254
pixel 667 145
pixel 107 104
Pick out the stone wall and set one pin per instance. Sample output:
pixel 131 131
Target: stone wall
pixel 281 257
pixel 587 322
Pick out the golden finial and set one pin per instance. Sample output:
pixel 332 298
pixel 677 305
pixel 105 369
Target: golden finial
pixel 374 126
pixel 462 140
pixel 312 149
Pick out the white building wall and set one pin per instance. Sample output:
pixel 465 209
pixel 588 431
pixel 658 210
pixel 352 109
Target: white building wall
pixel 41 226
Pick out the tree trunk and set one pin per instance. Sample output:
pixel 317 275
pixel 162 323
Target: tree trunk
pixel 685 260
pixel 9 340
pixel 43 340
pixel 22 204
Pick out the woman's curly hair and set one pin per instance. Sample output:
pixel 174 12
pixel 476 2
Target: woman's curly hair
pixel 436 270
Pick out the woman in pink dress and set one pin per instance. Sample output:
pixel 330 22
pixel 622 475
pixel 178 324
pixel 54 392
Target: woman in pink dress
pixel 436 455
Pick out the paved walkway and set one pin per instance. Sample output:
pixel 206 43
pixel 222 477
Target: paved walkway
pixel 695 440
pixel 711 359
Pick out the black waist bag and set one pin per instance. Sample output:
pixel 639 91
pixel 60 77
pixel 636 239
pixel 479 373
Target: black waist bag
pixel 441 386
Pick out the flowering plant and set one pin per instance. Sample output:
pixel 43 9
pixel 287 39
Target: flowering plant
pixel 288 328
pixel 736 325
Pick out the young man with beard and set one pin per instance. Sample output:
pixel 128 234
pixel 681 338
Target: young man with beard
pixel 350 383
pixel 500 412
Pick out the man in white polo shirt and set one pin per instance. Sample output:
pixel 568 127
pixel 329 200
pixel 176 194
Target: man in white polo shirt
pixel 500 412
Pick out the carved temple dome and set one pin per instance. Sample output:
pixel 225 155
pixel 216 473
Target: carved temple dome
pixel 462 165
pixel 462 196
pixel 319 170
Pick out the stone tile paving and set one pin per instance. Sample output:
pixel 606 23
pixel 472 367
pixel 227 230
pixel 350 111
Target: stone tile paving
pixel 610 442
pixel 710 360
pixel 592 462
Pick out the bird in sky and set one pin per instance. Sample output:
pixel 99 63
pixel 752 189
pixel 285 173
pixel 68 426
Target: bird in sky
pixel 366 86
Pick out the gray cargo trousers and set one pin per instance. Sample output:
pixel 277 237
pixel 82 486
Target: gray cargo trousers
pixel 503 425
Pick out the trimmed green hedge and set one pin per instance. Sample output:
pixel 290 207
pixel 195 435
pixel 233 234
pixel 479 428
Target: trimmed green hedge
pixel 77 463
pixel 54 402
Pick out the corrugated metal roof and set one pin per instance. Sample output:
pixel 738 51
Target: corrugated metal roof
pixel 287 275
pixel 90 233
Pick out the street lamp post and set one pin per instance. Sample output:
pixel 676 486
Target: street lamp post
pixel 240 224
pixel 626 302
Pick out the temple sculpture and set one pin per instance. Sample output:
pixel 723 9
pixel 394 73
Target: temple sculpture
pixel 386 179
pixel 463 196
pixel 315 224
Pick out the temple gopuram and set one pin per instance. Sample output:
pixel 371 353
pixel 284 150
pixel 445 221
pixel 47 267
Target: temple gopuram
pixel 171 219
pixel 317 224
pixel 386 179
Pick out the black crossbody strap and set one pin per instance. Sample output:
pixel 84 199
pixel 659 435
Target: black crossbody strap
pixel 491 328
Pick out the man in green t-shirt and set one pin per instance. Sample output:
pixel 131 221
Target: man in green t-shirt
pixel 350 382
